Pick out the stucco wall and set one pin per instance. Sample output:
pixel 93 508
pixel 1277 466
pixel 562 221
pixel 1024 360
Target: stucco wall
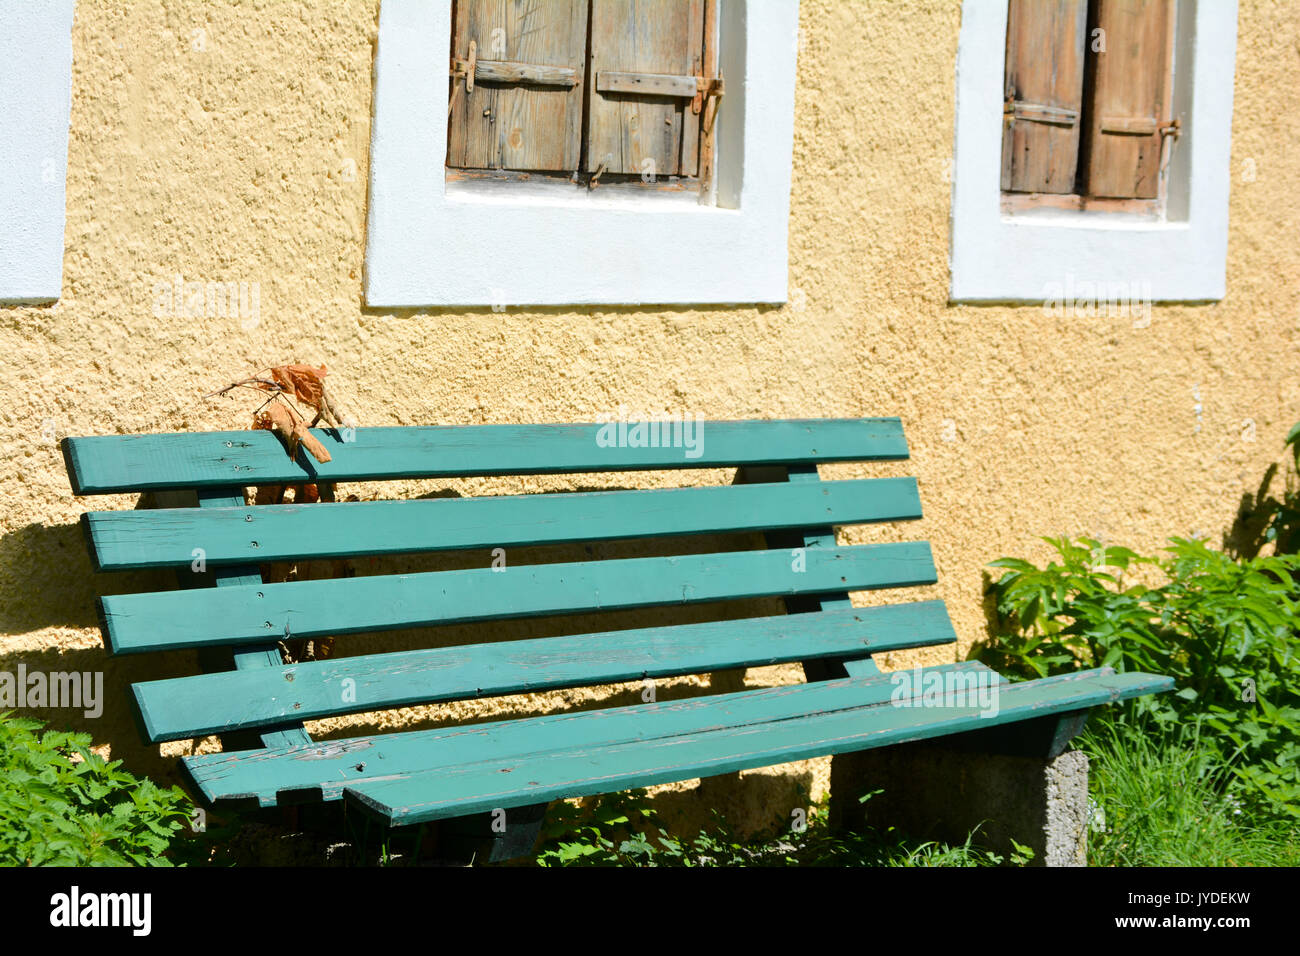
pixel 228 141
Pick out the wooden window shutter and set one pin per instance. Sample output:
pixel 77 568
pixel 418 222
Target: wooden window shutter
pixel 1131 100
pixel 1043 95
pixel 647 61
pixel 523 108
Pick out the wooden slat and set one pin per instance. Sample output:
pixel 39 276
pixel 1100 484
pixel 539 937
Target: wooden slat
pixel 184 707
pixel 645 84
pixel 328 766
pixel 1132 83
pixel 303 609
pixel 640 133
pixel 525 127
pixel 503 71
pixel 161 538
pixel 123 463
pixel 581 771
pixel 827 717
pixel 1044 74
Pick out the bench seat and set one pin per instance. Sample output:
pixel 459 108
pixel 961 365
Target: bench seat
pixel 257 701
pixel 424 776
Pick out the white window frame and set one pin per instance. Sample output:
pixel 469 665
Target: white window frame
pixel 1029 256
pixel 509 244
pixel 35 108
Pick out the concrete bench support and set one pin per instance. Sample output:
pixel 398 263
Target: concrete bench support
pixel 933 792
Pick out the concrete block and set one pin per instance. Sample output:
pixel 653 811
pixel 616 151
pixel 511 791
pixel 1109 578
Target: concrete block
pixel 932 792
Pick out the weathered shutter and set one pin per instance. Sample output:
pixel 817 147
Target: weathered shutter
pixel 519 103
pixel 1043 95
pixel 645 75
pixel 1131 99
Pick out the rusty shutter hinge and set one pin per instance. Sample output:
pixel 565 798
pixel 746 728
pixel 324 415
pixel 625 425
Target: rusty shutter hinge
pixel 1168 133
pixel 705 90
pixel 707 98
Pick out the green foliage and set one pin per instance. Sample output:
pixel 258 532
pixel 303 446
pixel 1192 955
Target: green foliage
pixel 1284 518
pixel 1223 628
pixel 622 829
pixel 1161 799
pixel 61 804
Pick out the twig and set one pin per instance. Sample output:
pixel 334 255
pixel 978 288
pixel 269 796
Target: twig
pixel 247 383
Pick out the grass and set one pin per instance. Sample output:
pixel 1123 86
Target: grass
pixel 624 830
pixel 1164 800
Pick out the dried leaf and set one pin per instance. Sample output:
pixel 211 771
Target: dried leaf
pixel 268 495
pixel 303 382
pixel 310 442
pixel 292 431
pixel 336 416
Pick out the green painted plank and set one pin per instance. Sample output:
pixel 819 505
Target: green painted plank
pixel 160 538
pixel 117 463
pixel 328 766
pixel 325 769
pixel 298 609
pixel 185 707
pixel 576 771
pixel 260 658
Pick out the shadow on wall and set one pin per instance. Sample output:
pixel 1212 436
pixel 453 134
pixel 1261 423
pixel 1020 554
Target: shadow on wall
pixel 48 583
pixel 103 699
pixel 1263 518
pixel 47 572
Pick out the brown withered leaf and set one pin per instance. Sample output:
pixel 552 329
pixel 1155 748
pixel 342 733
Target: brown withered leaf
pixel 268 495
pixel 306 494
pixel 303 382
pixel 311 442
pixel 292 431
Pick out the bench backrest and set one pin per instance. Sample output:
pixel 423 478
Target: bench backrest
pixel 788 503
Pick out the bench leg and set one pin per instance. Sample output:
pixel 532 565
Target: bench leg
pixel 936 791
pixel 490 837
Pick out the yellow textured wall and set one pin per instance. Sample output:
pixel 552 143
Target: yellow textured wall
pixel 229 141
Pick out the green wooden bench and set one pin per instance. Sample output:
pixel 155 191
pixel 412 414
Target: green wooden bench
pixel 416 777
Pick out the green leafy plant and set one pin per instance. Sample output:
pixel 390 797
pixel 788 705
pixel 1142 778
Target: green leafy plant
pixel 1073 613
pixel 624 830
pixel 1223 628
pixel 61 804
